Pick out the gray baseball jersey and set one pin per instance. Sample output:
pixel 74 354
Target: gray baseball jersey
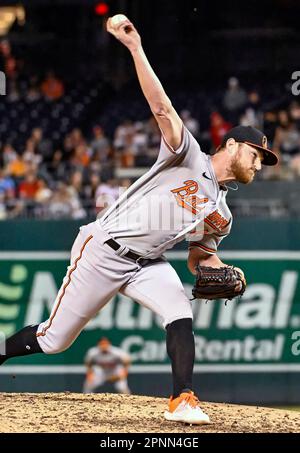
pixel 114 356
pixel 179 197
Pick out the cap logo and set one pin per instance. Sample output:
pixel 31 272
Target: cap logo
pixel 264 142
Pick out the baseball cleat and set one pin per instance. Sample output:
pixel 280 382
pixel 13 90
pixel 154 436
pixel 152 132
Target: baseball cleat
pixel 186 408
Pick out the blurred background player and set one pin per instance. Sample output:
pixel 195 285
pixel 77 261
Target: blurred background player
pixel 106 363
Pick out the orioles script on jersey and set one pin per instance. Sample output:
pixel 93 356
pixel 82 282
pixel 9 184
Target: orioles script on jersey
pixel 185 198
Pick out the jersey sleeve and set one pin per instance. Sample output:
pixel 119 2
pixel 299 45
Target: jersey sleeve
pixel 209 244
pixel 89 357
pixel 187 141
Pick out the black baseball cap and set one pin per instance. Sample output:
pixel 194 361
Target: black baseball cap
pixel 253 137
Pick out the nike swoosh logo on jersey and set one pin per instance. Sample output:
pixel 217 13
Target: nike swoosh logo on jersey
pixel 204 176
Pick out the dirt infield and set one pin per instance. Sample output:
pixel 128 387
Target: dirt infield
pixel 110 413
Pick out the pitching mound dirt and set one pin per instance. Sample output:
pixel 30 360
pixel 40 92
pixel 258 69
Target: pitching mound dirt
pixel 109 413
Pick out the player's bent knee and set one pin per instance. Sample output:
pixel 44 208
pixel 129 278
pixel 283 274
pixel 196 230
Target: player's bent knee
pixel 57 349
pixel 53 346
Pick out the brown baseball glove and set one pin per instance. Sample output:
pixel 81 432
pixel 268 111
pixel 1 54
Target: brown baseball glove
pixel 219 283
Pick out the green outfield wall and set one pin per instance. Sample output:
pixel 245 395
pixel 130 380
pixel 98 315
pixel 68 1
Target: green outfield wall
pixel 247 350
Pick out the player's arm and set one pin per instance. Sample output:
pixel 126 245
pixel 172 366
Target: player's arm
pixel 89 369
pixel 167 118
pixel 204 251
pixel 126 365
pixel 124 358
pixel 126 362
pixel 89 365
pixel 88 360
pixel 198 256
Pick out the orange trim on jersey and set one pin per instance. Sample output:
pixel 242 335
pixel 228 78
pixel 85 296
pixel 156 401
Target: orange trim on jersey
pixel 181 202
pixel 43 333
pixel 169 146
pixel 203 247
pixel 214 226
pixel 211 224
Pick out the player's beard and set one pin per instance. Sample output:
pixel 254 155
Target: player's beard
pixel 241 174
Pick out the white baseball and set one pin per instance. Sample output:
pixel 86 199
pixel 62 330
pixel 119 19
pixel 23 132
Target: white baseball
pixel 117 19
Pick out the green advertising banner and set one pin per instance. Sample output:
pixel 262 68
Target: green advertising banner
pixel 260 332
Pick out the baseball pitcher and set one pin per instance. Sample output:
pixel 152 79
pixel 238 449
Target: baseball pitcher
pixel 183 196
